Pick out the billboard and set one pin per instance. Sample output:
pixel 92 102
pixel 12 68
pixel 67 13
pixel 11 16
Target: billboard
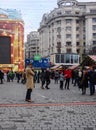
pixel 5 50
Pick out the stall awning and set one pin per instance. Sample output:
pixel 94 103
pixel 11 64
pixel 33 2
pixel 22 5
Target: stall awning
pixel 73 67
pixel 57 67
pixel 89 60
pixel 93 57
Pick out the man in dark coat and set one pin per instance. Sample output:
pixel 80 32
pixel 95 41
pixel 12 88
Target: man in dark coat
pixel 1 76
pixel 84 81
pixel 47 78
pixel 42 78
pixel 91 78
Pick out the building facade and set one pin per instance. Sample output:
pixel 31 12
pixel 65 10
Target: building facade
pixel 11 40
pixel 68 29
pixel 32 44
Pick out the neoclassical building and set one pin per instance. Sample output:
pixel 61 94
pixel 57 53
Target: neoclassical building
pixel 68 31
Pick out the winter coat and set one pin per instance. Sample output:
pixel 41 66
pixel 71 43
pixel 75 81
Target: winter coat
pixel 84 80
pixel 30 78
pixel 67 73
pixel 61 77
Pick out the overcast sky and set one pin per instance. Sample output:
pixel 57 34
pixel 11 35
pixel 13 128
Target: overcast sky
pixel 32 10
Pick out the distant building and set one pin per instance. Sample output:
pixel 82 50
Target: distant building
pixel 68 29
pixel 32 44
pixel 11 40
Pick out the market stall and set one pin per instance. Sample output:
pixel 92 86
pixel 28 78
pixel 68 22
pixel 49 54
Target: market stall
pixel 89 60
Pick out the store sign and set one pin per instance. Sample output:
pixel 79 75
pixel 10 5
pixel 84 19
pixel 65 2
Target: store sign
pixel 42 63
pixel 37 57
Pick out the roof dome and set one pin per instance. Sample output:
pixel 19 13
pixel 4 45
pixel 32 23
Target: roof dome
pixel 67 2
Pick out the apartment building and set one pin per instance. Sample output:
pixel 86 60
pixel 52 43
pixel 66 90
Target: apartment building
pixel 32 44
pixel 68 32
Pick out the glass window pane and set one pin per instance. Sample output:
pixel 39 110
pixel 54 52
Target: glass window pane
pixel 75 58
pixel 71 58
pixel 62 58
pixel 67 58
pixel 57 58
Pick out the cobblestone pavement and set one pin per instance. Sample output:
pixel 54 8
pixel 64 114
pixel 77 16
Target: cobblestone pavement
pixel 52 109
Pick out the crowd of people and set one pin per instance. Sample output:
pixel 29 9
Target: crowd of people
pixel 82 78
pixel 11 76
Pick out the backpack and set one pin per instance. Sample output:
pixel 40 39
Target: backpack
pixel 80 73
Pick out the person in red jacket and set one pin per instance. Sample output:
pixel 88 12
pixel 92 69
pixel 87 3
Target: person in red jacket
pixel 67 75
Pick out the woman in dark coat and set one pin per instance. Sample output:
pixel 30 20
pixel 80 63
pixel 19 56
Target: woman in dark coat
pixel 84 82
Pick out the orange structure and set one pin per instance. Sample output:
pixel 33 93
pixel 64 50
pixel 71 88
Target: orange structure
pixel 12 28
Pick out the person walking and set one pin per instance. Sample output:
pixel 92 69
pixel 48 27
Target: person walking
pixel 84 81
pixel 67 75
pixel 1 76
pixel 42 79
pixel 91 79
pixel 29 82
pixel 47 78
pixel 56 76
pixel 61 80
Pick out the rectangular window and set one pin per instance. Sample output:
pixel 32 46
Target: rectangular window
pixel 77 36
pixel 57 58
pixel 58 44
pixel 93 11
pixel 68 35
pixel 62 58
pixel 77 28
pixel 77 43
pixel 94 27
pixel 68 21
pixel 68 28
pixel 69 50
pixel 77 21
pixel 76 12
pixel 75 58
pixel 59 13
pixel 67 12
pixel 59 29
pixel 58 22
pixel 71 58
pixel 94 20
pixel 84 43
pixel 94 42
pixel 59 36
pixel 68 43
pixel 67 58
pixel 94 35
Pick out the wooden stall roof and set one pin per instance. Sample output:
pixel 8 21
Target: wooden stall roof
pixel 73 67
pixel 89 60
pixel 57 67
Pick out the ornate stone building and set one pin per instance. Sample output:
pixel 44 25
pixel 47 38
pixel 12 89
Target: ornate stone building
pixel 68 29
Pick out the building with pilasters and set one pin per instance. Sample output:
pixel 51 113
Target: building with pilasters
pixel 68 32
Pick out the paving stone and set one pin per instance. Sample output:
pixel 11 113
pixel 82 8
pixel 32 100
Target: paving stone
pixel 61 117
